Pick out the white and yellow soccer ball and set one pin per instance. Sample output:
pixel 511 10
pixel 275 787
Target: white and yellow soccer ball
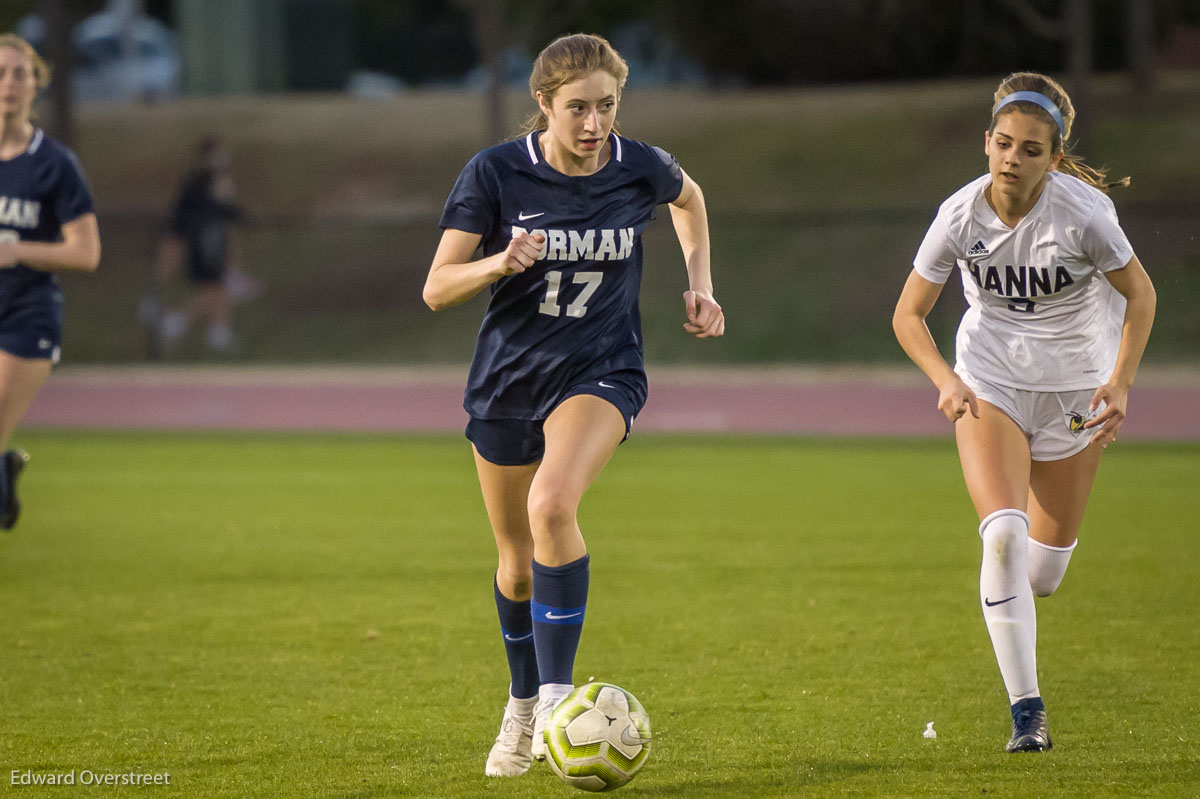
pixel 598 737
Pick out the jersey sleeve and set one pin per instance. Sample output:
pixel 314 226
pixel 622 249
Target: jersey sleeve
pixel 1103 240
pixel 473 205
pixel 937 256
pixel 667 176
pixel 72 199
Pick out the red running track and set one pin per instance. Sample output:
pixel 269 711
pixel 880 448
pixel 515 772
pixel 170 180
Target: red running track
pixel 839 401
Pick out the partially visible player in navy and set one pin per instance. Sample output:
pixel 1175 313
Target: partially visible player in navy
pixel 557 378
pixel 46 225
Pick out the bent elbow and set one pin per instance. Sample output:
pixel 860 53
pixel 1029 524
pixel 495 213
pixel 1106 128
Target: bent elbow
pixel 434 302
pixel 92 261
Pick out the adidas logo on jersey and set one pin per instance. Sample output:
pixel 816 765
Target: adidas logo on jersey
pixel 978 249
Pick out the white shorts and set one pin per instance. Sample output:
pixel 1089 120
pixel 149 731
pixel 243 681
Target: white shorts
pixel 1051 420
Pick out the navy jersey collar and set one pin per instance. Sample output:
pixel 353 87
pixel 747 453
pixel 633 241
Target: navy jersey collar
pixel 532 148
pixel 35 142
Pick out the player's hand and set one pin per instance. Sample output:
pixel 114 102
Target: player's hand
pixel 1109 420
pixel 955 399
pixel 521 253
pixel 705 317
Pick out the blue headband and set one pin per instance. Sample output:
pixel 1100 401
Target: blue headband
pixel 1037 99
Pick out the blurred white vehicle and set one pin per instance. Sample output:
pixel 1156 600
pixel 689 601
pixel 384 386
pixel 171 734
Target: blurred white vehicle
pixel 119 57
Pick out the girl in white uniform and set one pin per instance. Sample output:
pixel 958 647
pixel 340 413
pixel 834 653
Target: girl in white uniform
pixel 1059 313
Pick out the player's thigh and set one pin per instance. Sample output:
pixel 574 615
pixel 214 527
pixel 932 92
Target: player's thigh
pixel 582 434
pixel 994 454
pixel 20 380
pixel 1058 495
pixel 505 495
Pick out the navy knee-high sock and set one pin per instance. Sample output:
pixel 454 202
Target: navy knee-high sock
pixel 517 627
pixel 559 603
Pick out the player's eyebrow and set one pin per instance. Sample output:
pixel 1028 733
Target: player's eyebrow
pixel 1006 137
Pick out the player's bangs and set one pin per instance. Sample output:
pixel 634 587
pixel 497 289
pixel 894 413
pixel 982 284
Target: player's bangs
pixel 572 58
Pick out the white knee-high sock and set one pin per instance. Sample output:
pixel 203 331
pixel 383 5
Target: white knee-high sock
pixel 1007 600
pixel 1047 565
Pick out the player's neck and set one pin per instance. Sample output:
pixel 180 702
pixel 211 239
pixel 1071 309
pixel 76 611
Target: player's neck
pixel 15 135
pixel 1011 209
pixel 572 164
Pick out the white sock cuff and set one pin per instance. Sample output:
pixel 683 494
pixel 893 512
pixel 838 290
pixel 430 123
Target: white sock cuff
pixel 993 516
pixel 1048 548
pixel 522 706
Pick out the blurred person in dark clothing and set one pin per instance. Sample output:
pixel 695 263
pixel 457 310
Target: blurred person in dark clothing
pixel 201 235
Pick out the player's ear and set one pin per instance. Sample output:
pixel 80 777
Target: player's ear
pixel 1054 161
pixel 543 103
pixel 987 138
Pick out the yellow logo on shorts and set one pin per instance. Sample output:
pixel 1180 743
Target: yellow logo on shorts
pixel 1075 422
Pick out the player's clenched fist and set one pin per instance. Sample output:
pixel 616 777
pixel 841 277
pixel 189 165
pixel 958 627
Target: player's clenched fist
pixel 521 252
pixel 705 318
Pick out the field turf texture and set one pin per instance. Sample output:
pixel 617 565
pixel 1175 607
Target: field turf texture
pixel 311 616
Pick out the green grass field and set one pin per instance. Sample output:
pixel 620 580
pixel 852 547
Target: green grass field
pixel 311 616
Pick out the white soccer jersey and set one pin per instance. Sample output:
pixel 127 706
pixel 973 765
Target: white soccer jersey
pixel 1041 317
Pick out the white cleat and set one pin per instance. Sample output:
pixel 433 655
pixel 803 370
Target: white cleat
pixel 549 695
pixel 510 755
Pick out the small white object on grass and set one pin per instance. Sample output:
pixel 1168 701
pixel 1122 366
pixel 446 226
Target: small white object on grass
pixel 930 732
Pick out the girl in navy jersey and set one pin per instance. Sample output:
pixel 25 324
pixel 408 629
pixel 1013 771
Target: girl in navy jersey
pixel 46 225
pixel 1059 312
pixel 557 378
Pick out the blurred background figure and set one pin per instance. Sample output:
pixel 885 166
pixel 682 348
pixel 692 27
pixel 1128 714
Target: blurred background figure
pixel 202 235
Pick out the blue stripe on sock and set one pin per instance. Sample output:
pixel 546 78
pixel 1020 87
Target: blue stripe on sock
pixel 548 614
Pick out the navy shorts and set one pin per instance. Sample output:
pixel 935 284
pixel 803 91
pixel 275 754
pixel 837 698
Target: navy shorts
pixel 31 327
pixel 518 442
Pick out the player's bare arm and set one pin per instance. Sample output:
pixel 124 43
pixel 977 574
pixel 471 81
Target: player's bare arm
pixel 79 250
pixel 1140 301
pixel 454 278
pixel 916 301
pixel 705 319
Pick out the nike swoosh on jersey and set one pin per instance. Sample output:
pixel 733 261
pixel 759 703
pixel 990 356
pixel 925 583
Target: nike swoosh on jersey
pixel 522 217
pixel 602 384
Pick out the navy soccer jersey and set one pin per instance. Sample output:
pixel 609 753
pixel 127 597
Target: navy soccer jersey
pixel 40 190
pixel 573 316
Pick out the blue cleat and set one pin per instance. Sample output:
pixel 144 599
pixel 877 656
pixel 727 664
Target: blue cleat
pixel 1031 730
pixel 11 464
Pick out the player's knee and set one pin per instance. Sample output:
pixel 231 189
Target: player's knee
pixel 1004 533
pixel 1047 566
pixel 551 509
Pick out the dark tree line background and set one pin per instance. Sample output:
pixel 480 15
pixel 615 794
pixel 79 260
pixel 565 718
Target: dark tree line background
pixel 777 42
pixel 748 43
pixel 754 42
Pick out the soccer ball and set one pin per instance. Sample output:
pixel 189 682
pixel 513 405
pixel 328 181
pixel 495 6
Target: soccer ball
pixel 598 737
